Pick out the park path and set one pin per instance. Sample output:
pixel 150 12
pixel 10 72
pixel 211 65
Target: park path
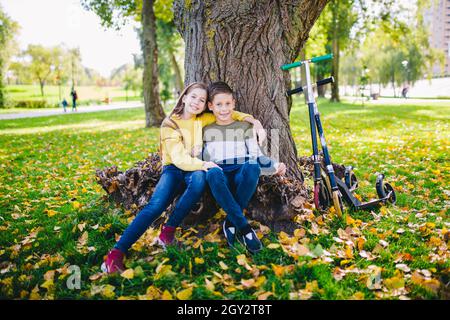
pixel 80 109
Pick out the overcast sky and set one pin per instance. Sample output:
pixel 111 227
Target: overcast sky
pixel 53 22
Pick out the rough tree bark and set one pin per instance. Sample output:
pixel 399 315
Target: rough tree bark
pixel 154 113
pixel 244 43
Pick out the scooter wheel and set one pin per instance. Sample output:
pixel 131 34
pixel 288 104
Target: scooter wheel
pixel 383 189
pixel 388 188
pixel 350 179
pixel 353 182
pixel 322 196
pixel 316 196
pixel 380 186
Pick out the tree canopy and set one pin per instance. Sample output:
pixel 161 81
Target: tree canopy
pixel 8 30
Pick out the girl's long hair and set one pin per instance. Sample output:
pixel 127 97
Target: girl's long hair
pixel 179 107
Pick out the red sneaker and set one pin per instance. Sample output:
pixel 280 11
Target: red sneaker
pixel 167 235
pixel 114 262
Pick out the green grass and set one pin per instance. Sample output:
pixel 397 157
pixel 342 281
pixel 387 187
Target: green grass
pixel 86 94
pixel 54 215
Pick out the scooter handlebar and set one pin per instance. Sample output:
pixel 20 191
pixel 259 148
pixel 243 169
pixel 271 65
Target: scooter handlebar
pixel 325 81
pixel 313 60
pixel 317 84
pixel 322 58
pixel 291 65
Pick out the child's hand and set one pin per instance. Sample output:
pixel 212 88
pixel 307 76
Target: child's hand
pixel 196 151
pixel 281 169
pixel 208 165
pixel 259 132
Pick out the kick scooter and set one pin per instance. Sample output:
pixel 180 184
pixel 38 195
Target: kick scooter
pixel 328 189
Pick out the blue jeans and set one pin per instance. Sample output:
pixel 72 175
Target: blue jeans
pixel 171 183
pixel 233 187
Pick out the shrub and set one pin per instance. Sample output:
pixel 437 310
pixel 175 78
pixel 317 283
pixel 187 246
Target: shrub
pixel 32 104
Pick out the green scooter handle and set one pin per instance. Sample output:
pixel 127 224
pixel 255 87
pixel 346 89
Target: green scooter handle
pixel 291 65
pixel 313 60
pixel 322 58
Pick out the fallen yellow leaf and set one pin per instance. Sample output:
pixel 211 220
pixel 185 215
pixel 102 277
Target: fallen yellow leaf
pixel 209 285
pixel 108 291
pixel 248 283
pixel 35 294
pixel 357 296
pixel 265 295
pixel 223 265
pixel 48 284
pixel 128 274
pixel 76 204
pixel 394 283
pixel 185 294
pixel 153 291
pixel 260 281
pixel 166 295
pixel 199 260
pixel 51 213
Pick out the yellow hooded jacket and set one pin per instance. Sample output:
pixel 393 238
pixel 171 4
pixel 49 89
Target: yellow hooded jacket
pixel 180 146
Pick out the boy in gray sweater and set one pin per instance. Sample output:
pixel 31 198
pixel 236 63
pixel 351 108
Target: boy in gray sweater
pixel 232 146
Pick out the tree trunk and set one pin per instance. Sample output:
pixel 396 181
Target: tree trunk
pixel 2 96
pixel 41 85
pixel 176 69
pixel 244 43
pixel 393 83
pixel 321 90
pixel 303 72
pixel 335 65
pixel 154 113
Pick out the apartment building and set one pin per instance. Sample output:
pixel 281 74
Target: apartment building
pixel 437 17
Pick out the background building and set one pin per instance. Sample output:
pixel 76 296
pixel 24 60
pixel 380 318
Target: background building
pixel 437 17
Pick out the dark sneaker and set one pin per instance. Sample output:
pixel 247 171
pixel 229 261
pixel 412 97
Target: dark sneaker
pixel 250 241
pixel 114 262
pixel 229 231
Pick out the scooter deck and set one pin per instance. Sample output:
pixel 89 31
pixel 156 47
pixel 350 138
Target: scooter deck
pixel 348 197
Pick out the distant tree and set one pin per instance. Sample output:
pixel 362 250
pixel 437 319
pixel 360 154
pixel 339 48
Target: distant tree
pixel 60 68
pixel 92 77
pixel 114 14
pixel 40 63
pixel 17 69
pixel 341 27
pixel 350 69
pixel 131 80
pixel 8 31
pixel 318 45
pixel 170 43
pixel 398 50
pixel 75 66
pixel 343 17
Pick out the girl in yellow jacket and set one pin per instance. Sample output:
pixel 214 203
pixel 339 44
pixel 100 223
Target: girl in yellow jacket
pixel 183 172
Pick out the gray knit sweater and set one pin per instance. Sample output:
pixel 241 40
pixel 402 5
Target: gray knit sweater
pixel 234 144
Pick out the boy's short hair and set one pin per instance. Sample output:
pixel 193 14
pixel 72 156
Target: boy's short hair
pixel 218 87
